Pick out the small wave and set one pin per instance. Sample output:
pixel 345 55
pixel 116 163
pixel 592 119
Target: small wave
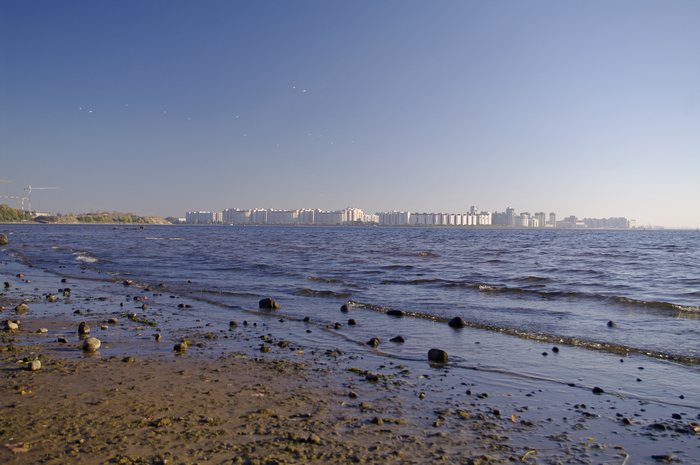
pixel 683 308
pixel 327 294
pixel 314 278
pixel 393 267
pixel 83 257
pixel 428 255
pixel 533 279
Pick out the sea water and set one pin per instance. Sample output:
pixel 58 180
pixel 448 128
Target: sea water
pixel 522 291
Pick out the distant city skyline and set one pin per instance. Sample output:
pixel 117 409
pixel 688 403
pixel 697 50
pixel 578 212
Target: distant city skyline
pixel 586 108
pixel 350 215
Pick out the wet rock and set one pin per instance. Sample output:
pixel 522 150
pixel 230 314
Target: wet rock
pixel 83 328
pixel 78 312
pixel 612 324
pixel 352 395
pixel 345 308
pixel 127 282
pixel 397 339
pixel 34 365
pixel 313 439
pixel 189 281
pixel 62 340
pixel 43 330
pixel 307 319
pixel 544 354
pixel 104 328
pixel 626 421
pixel 66 292
pixel 338 326
pixel 269 304
pixel 157 337
pixel 181 347
pixel 676 416
pixel 555 349
pixel 352 322
pixel 372 377
pixel 144 307
pixel 64 280
pixel 665 458
pixel 395 313
pixel 421 396
pixel 21 309
pixel 597 390
pixel 377 421
pixel 112 321
pixel 374 342
pixel 233 324
pixel 91 344
pixel 11 326
pixel 457 322
pixel 7 285
pixel 3 239
pixel 437 355
pixel 20 275
pixel 264 348
pixel 162 285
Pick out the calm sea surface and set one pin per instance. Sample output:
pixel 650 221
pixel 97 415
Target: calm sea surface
pixel 552 285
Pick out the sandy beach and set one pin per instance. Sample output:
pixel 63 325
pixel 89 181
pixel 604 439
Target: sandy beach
pixel 250 393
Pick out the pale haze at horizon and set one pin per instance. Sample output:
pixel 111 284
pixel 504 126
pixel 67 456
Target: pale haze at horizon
pixel 589 109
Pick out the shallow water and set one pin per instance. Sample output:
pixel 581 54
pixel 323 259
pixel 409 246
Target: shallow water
pixel 558 287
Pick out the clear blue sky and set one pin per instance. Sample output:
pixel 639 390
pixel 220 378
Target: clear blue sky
pixel 588 108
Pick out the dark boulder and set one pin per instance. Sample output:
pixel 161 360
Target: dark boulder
pixel 374 342
pixel 397 339
pixel 233 324
pixel 395 313
pixel 345 308
pixel 437 355
pixel 352 322
pixel 612 324
pixel 457 322
pixel 83 328
pixel 269 304
pixel 3 239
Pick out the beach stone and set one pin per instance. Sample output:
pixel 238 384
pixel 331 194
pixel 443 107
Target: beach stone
pixel 437 355
pixel 345 308
pixel 626 421
pixel 157 337
pixel 374 342
pixel 78 312
pixel 61 340
pixel 338 326
pixel 128 359
pixel 233 324
pixel 313 439
pixel 612 324
pixel 397 339
pixel 3 239
pixel 377 421
pixel 91 344
pixel 352 322
pixel 371 377
pixel 43 330
pixel 112 321
pixel 597 390
pixel 307 319
pixel 457 322
pixel 83 328
pixel 11 326
pixel 66 291
pixel 269 304
pixel 144 307
pixel 22 309
pixel 180 347
pixel 555 349
pixel 34 365
pixel 395 313
pixel 352 395
pixel 7 284
pixel 64 280
pixel 104 328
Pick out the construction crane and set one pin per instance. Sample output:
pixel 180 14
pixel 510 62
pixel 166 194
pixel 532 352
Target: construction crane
pixel 13 197
pixel 30 195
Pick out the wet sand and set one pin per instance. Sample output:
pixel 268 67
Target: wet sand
pixel 253 394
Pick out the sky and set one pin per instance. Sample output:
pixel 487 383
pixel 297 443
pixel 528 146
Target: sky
pixel 585 108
